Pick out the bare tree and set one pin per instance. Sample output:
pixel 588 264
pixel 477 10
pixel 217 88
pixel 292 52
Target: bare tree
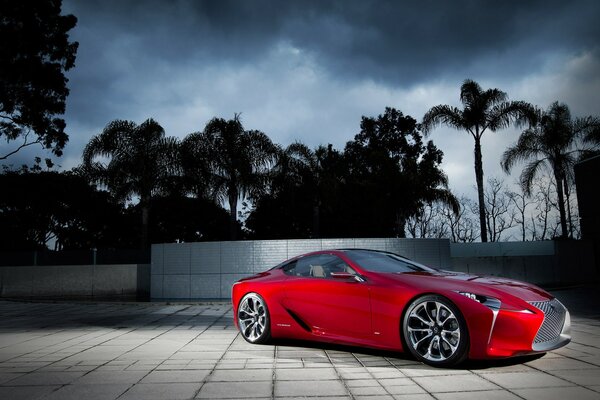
pixel 428 223
pixel 499 216
pixel 545 222
pixel 463 226
pixel 521 202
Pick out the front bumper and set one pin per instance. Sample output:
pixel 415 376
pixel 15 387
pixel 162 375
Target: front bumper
pixel 555 330
pixel 517 333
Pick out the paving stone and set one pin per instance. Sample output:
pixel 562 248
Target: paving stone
pixel 369 391
pixel 110 377
pixel 309 388
pixel 487 395
pixel 45 378
pixel 578 393
pixel 175 376
pixel 518 380
pixel 26 392
pixel 8 376
pixel 241 375
pixel 454 383
pixel 160 391
pixel 151 351
pixel 408 389
pixel 586 377
pixel 301 374
pixel 88 392
pixel 228 390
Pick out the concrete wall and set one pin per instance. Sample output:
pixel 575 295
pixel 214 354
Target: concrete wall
pixel 207 270
pixel 126 281
pixel 189 271
pixel 542 263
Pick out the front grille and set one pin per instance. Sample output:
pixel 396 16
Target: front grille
pixel 554 319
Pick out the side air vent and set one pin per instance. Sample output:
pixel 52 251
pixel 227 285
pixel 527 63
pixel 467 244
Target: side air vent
pixel 298 320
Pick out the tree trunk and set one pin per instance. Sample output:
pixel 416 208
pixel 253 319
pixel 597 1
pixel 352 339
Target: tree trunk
pixel 316 221
pixel 480 196
pixel 145 223
pixel 561 204
pixel 567 195
pixel 233 198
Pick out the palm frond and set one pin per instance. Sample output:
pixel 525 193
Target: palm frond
pixel 445 197
pixel 588 130
pixel 527 146
pixel 443 114
pixel 503 114
pixel 529 173
pixel 470 91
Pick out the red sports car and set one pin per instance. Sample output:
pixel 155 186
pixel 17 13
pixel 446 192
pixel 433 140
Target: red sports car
pixel 382 300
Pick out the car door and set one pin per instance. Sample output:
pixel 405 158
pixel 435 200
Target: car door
pixel 327 305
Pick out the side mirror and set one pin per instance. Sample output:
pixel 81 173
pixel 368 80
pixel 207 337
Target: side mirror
pixel 346 276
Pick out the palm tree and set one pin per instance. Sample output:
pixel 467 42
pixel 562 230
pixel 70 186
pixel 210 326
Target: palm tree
pixel 555 142
pixel 195 163
pixel 237 161
pixel 482 111
pixel 298 164
pixel 132 160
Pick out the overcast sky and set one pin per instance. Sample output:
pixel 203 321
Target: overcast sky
pixel 308 70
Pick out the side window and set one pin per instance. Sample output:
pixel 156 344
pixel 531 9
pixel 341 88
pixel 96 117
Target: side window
pixel 333 263
pixel 319 266
pixel 289 268
pixel 306 265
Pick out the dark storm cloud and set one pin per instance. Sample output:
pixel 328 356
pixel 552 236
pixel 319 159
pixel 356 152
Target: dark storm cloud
pixel 395 41
pixel 126 46
pixel 307 70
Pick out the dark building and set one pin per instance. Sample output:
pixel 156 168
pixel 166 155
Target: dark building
pixel 587 178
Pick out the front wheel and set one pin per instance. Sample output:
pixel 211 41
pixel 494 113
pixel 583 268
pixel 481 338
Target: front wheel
pixel 435 331
pixel 253 319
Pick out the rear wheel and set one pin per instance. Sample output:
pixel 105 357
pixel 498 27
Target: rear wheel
pixel 435 331
pixel 253 319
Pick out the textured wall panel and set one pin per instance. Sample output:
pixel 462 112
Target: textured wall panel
pixel 444 249
pixel 406 248
pixel 206 258
pixel 156 259
pixel 70 280
pixel 269 253
pixel 237 257
pixel 230 261
pixel 177 258
pixel 328 244
pixel 205 286
pixel 426 251
pixel 374 244
pixel 156 287
pixel 227 281
pixel 503 249
pixel 301 246
pixel 176 287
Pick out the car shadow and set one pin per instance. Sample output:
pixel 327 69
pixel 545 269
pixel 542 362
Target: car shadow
pixel 403 360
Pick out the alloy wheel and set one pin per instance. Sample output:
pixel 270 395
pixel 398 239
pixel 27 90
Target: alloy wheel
pixel 433 331
pixel 253 318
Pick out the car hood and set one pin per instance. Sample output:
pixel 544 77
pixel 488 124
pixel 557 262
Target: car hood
pixel 480 284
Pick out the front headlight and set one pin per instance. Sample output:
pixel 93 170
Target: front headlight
pixel 488 301
pixel 493 303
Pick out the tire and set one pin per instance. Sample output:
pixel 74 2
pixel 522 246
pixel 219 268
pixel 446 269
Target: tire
pixel 435 332
pixel 253 319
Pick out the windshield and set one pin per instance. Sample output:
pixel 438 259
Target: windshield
pixel 379 261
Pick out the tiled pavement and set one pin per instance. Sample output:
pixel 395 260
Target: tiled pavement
pixel 158 351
